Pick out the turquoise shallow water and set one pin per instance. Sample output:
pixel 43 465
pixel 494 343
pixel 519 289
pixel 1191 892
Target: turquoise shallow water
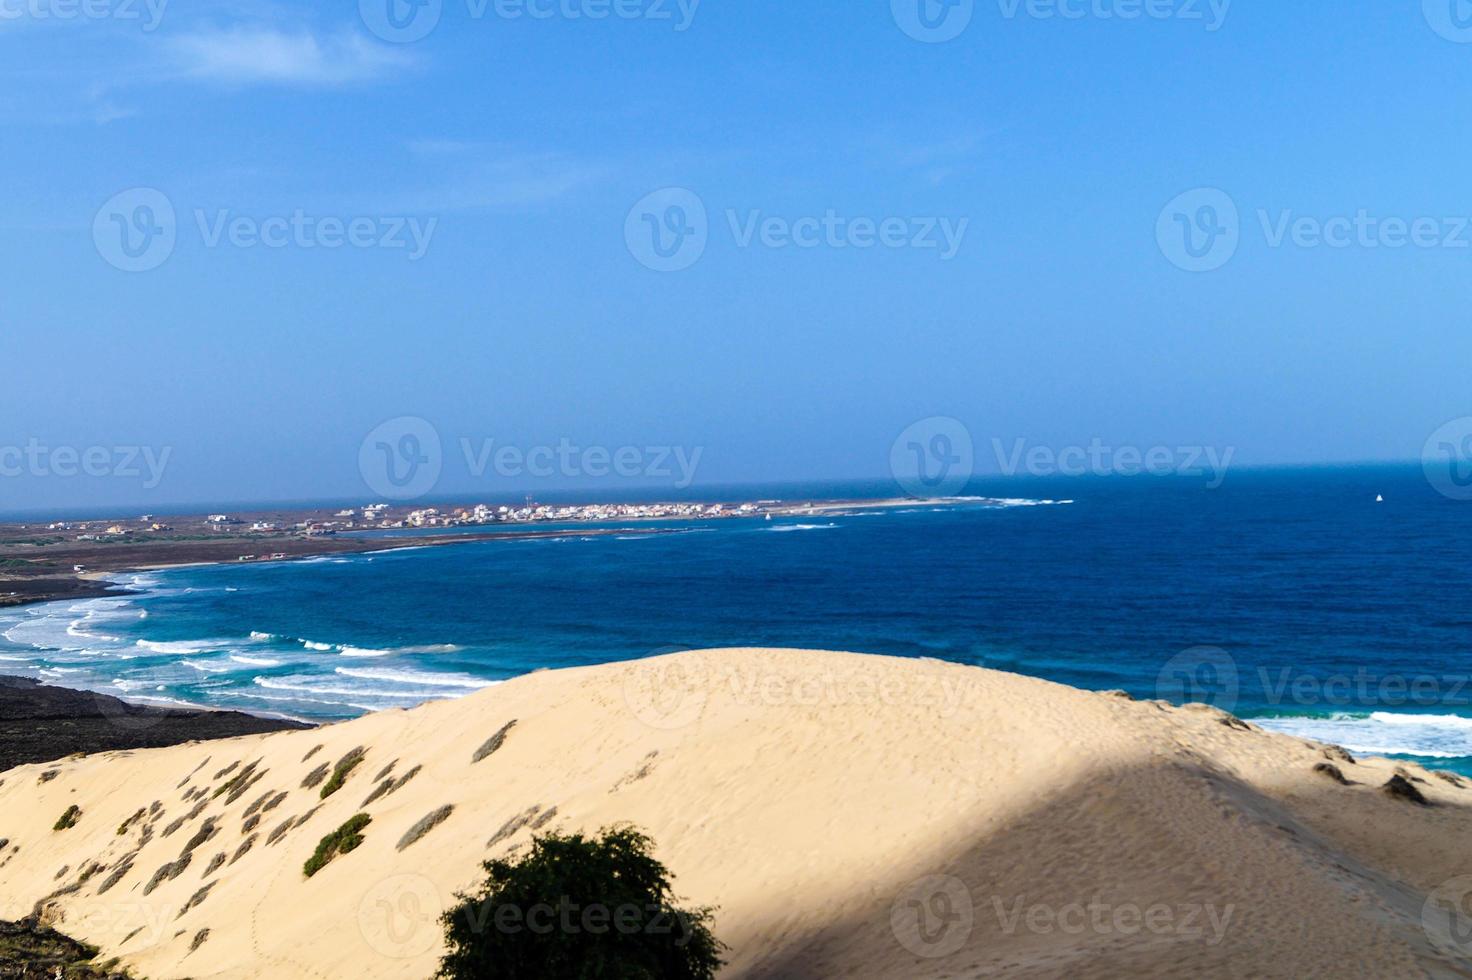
pixel 1291 597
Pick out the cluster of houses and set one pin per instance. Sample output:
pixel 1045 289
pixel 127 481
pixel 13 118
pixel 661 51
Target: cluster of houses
pixel 380 516
pixel 484 514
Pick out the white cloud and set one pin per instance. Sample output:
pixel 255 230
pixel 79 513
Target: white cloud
pixel 262 55
pixel 466 175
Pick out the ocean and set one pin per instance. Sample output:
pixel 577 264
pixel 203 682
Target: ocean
pixel 1289 597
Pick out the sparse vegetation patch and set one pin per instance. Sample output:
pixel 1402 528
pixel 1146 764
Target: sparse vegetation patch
pixel 340 841
pixel 340 772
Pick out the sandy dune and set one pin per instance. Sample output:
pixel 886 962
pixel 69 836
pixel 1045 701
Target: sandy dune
pixel 851 817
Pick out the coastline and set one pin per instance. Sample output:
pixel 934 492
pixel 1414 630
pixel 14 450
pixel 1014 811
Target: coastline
pixel 97 582
pixel 42 723
pixel 63 559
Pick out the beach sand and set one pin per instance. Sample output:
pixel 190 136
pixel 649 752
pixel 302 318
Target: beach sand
pixel 851 816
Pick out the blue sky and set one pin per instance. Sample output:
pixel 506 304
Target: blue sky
pixel 529 313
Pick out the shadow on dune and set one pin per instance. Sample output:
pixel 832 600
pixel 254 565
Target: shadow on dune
pixel 1155 869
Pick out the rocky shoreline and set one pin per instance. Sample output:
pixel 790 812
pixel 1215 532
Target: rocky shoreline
pixel 39 723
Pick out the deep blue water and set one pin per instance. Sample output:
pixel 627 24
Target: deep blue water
pixel 1291 597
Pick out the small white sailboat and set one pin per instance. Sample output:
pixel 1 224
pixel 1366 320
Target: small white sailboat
pixel 1379 498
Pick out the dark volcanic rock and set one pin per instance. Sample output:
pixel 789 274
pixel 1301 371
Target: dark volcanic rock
pixel 28 949
pixel 39 723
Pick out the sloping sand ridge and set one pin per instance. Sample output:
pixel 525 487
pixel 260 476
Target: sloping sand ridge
pixel 849 815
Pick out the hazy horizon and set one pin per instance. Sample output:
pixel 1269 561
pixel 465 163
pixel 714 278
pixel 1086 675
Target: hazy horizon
pixel 242 236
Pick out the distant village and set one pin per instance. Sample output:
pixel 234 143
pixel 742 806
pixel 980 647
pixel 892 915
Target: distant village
pixel 382 516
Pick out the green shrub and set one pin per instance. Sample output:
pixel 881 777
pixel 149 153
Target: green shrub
pixel 69 818
pixel 340 841
pixel 340 772
pixel 578 907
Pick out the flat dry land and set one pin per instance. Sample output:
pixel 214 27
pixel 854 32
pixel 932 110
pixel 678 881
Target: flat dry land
pixel 38 564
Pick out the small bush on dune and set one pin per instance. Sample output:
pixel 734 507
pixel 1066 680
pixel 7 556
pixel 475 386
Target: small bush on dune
pixel 340 841
pixel 69 819
pixel 340 772
pixel 589 908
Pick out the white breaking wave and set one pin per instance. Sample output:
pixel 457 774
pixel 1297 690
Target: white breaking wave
pixel 204 668
pixel 272 684
pixel 361 652
pixel 801 527
pixel 1383 733
pixel 254 661
pixel 416 677
pixel 314 645
pixel 183 646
